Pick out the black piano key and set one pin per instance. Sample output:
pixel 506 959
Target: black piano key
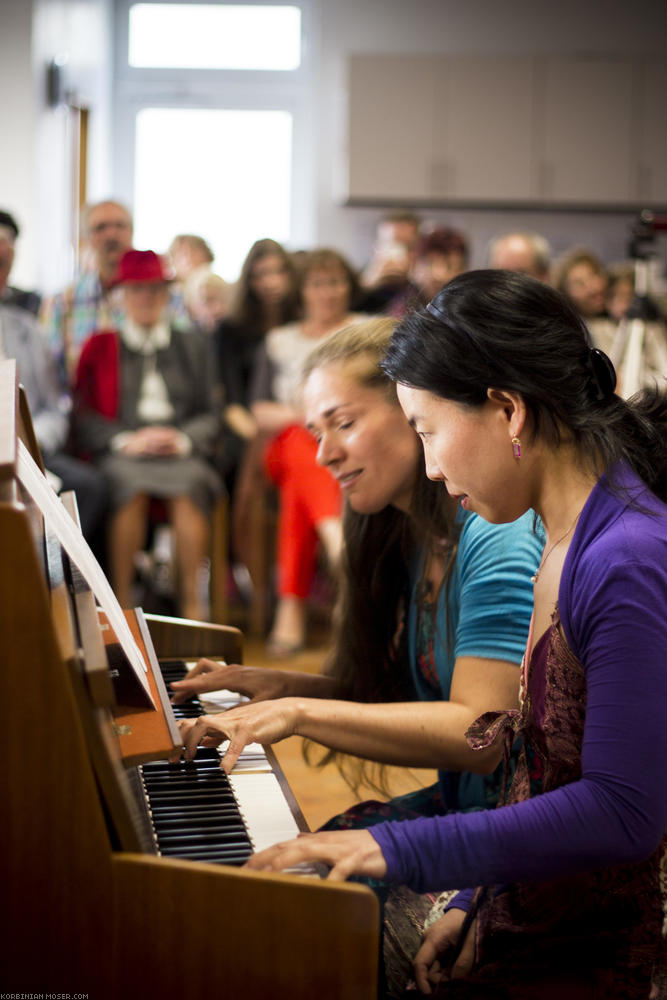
pixel 194 811
pixel 193 808
pixel 234 833
pixel 176 670
pixel 193 814
pixel 213 856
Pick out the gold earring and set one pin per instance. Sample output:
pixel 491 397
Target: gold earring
pixel 516 447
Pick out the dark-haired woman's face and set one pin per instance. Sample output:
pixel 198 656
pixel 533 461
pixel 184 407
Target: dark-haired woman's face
pixel 363 438
pixel 469 449
pixel 270 279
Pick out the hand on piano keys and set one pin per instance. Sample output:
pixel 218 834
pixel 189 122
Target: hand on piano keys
pixel 346 852
pixel 256 683
pixel 263 722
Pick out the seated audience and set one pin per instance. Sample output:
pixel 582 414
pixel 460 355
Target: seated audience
pixel 582 278
pixel 189 254
pixel 264 297
pixel 387 275
pixel 208 300
pixel 89 303
pixel 22 340
pixel 191 259
pixel 9 294
pixel 620 290
pixel 145 411
pixel 516 411
pixel 442 253
pixel 638 347
pixel 309 496
pixel 528 253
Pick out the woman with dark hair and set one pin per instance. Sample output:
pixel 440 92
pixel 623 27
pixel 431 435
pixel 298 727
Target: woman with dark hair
pixel 309 499
pixel 265 297
pixel 434 604
pixel 516 411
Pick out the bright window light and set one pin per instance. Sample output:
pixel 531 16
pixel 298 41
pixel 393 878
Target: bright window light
pixel 223 175
pixel 215 36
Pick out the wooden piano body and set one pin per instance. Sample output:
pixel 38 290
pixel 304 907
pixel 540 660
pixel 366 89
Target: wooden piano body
pixel 88 909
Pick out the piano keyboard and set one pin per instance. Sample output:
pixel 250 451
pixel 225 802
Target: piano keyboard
pixel 198 812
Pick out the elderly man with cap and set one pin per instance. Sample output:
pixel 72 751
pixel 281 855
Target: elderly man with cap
pixel 146 413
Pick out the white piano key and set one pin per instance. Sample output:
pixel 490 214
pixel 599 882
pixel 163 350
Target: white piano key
pixel 264 807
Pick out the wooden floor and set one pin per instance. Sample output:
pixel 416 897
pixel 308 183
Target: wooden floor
pixel 322 792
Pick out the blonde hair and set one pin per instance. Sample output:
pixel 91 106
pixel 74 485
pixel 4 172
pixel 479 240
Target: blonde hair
pixel 364 342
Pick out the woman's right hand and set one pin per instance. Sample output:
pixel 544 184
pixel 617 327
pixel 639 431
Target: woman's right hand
pixel 433 960
pixel 257 683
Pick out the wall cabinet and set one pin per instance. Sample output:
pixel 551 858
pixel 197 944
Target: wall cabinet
pixel 486 129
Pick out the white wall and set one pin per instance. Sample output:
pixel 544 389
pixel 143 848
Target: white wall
pixel 35 170
pixel 433 26
pixel 17 128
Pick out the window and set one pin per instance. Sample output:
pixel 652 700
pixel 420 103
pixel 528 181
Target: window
pixel 215 36
pixel 211 135
pixel 225 175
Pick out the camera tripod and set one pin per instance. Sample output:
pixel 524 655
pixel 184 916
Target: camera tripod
pixel 639 349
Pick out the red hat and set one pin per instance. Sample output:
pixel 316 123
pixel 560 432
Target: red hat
pixel 141 266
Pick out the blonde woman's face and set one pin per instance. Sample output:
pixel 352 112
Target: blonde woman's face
pixel 363 438
pixel 326 294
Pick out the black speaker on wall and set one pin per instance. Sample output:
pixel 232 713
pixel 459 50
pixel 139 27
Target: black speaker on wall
pixel 55 83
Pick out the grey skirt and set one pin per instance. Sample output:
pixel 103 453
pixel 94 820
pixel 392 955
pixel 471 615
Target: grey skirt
pixel 163 478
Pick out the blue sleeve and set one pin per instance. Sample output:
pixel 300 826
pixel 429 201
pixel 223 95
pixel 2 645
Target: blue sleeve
pixel 617 811
pixel 495 563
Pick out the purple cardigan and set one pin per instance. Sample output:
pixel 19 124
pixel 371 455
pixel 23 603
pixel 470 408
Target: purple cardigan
pixel 613 607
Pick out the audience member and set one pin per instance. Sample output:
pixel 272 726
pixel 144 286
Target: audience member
pixel 638 346
pixel 191 259
pixel 145 411
pixel 309 496
pixel 89 304
pixel 515 410
pixel 9 295
pixel 22 340
pixel 620 289
pixel 208 300
pixel 582 278
pixel 433 613
pixel 188 255
pixel 442 253
pixel 386 277
pixel 264 297
pixel 528 253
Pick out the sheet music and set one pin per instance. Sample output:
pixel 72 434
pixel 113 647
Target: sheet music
pixel 79 552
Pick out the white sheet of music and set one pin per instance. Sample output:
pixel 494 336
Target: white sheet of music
pixel 71 539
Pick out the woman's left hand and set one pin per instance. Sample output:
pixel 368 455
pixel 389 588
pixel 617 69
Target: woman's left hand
pixel 346 852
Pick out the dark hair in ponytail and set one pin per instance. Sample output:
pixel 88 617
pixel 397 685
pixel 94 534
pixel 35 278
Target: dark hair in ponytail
pixel 503 330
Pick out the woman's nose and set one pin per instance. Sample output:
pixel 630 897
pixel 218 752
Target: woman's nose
pixel 327 450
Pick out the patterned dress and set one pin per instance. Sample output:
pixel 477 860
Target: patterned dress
pixel 593 935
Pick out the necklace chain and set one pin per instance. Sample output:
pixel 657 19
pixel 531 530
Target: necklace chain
pixel 543 560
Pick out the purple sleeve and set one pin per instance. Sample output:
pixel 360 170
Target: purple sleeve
pixel 617 811
pixel 461 901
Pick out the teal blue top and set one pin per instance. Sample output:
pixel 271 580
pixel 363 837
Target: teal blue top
pixel 485 611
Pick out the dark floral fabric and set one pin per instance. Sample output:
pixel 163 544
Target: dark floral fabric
pixel 597 933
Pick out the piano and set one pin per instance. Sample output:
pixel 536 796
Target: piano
pixel 119 878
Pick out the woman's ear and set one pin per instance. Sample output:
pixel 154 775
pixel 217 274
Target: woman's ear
pixel 512 407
